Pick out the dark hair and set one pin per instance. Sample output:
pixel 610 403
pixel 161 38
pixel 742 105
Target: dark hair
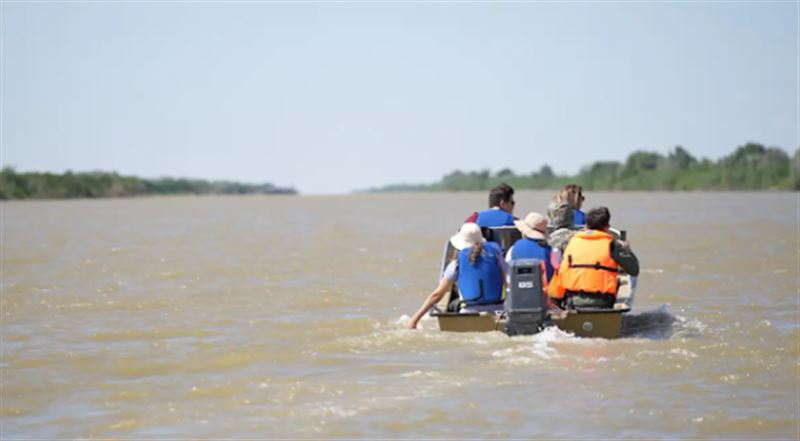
pixel 598 218
pixel 502 192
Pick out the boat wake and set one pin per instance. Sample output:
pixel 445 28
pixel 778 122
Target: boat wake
pixel 658 324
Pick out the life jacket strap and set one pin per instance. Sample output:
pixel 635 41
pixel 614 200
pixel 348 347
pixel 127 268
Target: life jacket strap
pixel 595 265
pixel 569 293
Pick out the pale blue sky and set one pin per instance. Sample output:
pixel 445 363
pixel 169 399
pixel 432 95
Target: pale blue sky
pixel 341 96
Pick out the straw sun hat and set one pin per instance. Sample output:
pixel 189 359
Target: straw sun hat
pixel 534 226
pixel 469 234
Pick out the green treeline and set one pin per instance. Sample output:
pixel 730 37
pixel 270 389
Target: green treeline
pixel 750 167
pixel 15 185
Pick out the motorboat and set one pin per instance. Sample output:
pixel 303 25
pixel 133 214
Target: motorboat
pixel 524 310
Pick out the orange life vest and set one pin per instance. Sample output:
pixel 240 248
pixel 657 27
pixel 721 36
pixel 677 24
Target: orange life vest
pixel 587 265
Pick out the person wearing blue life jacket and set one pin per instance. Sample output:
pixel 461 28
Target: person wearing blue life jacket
pixel 501 208
pixel 572 194
pixel 479 270
pixel 533 244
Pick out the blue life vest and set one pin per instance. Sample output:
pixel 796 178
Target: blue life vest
pixel 494 218
pixel 482 283
pixel 532 249
pixel 578 217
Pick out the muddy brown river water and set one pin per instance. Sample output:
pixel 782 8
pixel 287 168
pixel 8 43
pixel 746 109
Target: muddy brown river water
pixel 282 317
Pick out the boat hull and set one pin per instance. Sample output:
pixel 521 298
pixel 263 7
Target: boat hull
pixel 483 322
pixel 594 323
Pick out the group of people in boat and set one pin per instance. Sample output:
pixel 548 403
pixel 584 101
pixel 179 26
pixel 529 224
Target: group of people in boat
pixel 580 257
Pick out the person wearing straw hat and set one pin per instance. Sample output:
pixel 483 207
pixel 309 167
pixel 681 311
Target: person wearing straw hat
pixel 479 270
pixel 533 244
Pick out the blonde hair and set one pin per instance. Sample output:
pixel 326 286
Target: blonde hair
pixel 475 252
pixel 570 194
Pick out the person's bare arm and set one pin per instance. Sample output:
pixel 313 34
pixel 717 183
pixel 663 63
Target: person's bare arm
pixel 444 287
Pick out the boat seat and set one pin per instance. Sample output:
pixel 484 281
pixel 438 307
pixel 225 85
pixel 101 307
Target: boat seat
pixel 504 236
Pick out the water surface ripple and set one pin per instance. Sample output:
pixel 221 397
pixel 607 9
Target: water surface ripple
pixel 282 317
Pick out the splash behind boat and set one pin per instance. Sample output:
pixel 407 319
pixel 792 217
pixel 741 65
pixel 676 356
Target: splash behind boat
pixel 524 310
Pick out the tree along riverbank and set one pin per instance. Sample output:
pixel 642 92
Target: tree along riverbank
pixel 749 167
pixel 34 185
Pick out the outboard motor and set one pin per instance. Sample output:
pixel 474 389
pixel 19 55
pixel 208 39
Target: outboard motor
pixel 525 305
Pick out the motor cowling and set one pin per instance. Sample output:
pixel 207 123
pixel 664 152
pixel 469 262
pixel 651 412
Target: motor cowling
pixel 525 304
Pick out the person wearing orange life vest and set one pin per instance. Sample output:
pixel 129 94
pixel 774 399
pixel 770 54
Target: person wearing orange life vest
pixel 587 276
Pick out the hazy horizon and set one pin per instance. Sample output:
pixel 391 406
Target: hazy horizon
pixel 337 97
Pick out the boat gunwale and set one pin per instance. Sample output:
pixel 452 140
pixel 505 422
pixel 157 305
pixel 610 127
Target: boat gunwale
pixel 436 312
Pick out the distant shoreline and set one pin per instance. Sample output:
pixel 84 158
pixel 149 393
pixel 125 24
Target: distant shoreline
pixel 95 185
pixel 751 167
pixel 479 193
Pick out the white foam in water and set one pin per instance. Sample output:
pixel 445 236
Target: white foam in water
pixel 488 338
pixel 427 322
pixel 538 350
pixel 337 411
pixel 552 334
pixel 689 328
pixel 683 352
pixel 764 324
pixel 418 373
pixel 652 271
pixel 402 320
pixel 518 356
